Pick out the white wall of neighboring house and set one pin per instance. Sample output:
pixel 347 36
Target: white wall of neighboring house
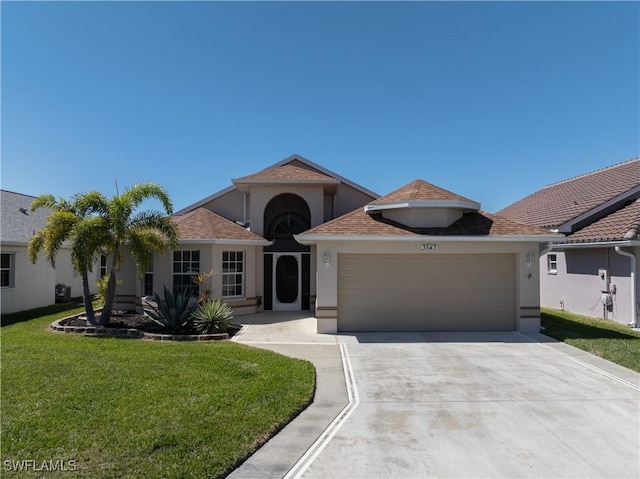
pixel 583 276
pixel 33 284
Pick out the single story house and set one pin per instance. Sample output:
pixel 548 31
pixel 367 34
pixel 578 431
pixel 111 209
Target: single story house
pixel 593 272
pixel 24 285
pixel 297 236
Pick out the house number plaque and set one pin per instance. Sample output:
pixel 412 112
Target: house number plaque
pixel 429 247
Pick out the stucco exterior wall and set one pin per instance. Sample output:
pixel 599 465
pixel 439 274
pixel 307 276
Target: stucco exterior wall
pixel 66 275
pixel 348 199
pixel 33 286
pixel 228 205
pixel 527 289
pixel 261 195
pixel 211 259
pixel 578 287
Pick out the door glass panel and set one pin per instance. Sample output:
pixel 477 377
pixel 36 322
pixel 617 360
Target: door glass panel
pixel 287 279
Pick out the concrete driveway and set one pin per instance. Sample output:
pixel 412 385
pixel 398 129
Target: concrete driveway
pixel 396 405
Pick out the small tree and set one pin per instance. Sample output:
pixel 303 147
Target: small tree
pixel 141 231
pixel 73 221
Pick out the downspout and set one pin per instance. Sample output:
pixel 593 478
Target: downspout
pixel 244 209
pixel 632 274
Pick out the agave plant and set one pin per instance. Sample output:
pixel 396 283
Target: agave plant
pixel 171 313
pixel 212 317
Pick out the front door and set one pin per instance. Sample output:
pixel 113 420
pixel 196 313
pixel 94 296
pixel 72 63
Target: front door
pixel 287 282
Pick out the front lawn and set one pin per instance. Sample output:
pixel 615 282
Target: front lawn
pixel 607 339
pixel 110 407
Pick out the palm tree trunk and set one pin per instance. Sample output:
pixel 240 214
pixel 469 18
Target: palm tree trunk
pixel 86 296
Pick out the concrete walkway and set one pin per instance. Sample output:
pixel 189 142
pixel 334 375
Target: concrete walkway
pixel 449 405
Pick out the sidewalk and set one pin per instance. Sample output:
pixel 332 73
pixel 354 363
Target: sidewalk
pixel 293 334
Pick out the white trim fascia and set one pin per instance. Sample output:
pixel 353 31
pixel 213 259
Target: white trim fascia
pixel 227 241
pixel 17 244
pixel 595 244
pixel 13 244
pixel 455 204
pixel 567 227
pixel 313 239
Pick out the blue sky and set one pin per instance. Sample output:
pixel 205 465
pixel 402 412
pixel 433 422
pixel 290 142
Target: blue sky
pixel 490 100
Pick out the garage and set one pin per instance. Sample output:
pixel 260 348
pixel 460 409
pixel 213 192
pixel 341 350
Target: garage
pixel 454 292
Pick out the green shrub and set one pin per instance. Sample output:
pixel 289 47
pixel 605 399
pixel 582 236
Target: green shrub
pixel 172 313
pixel 101 288
pixel 212 317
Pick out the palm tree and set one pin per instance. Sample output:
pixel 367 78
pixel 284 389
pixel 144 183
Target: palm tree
pixel 73 221
pixel 141 232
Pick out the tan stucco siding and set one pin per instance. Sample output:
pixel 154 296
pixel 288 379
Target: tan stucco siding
pixel 228 205
pixel 348 199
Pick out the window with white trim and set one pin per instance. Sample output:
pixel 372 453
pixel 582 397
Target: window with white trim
pixel 147 280
pixel 232 274
pixel 103 265
pixel 552 263
pixel 186 265
pixel 7 270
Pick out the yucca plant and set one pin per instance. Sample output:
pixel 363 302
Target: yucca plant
pixel 212 317
pixel 172 313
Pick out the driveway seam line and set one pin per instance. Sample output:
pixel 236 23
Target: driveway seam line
pixel 585 364
pixel 323 440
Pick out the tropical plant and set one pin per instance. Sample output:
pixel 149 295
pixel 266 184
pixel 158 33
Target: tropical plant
pixel 140 231
pixel 204 291
pixel 172 313
pixel 102 286
pixel 212 317
pixel 74 221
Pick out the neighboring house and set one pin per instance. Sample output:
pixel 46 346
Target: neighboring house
pixel 594 271
pixel 24 285
pixel 297 236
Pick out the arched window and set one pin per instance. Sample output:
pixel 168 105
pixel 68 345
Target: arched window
pixel 287 225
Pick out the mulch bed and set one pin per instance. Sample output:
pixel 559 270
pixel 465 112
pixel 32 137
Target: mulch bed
pixel 129 321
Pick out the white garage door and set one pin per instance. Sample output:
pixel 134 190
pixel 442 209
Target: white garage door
pixel 426 293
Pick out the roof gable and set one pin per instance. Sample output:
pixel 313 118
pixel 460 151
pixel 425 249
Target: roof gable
pixel 621 225
pixel 599 192
pixel 203 224
pixel 288 172
pixel 296 161
pixel 419 190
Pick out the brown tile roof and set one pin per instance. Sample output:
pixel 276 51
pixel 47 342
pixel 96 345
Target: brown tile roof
pixel 613 227
pixel 418 190
pixel 286 172
pixel 203 224
pixel 561 202
pixel 480 223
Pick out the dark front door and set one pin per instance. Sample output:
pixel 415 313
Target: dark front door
pixel 286 282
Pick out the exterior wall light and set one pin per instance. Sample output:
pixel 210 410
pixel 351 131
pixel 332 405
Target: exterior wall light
pixel 327 259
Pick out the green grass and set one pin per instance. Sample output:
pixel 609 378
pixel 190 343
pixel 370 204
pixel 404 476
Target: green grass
pixel 607 339
pixel 130 408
